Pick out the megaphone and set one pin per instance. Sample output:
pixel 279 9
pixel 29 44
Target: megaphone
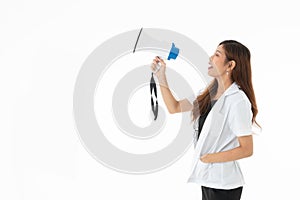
pixel 147 40
pixel 155 44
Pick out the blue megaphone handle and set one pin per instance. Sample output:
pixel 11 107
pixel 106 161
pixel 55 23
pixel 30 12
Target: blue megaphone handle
pixel 173 52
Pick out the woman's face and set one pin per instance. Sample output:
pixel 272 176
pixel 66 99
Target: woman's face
pixel 217 63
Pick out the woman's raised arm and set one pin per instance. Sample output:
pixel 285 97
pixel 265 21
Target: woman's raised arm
pixel 173 105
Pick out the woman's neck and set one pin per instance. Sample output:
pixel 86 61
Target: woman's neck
pixel 223 85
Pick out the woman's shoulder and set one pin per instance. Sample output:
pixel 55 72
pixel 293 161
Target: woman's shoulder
pixel 238 97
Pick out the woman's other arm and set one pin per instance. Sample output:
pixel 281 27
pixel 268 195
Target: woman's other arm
pixel 244 150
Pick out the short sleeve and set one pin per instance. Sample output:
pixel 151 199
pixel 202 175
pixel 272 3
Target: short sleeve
pixel 241 118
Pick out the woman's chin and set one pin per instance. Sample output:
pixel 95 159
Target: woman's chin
pixel 211 74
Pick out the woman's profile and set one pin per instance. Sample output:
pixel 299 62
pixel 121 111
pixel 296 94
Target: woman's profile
pixel 223 114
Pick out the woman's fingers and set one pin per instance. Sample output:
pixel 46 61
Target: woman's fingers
pixel 160 60
pixel 157 63
pixel 154 67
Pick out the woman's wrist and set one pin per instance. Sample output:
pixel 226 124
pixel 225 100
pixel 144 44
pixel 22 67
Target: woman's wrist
pixel 162 79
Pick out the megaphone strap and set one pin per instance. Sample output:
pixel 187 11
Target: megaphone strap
pixel 153 87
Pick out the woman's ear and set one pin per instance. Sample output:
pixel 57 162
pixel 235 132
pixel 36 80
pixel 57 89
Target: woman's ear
pixel 232 64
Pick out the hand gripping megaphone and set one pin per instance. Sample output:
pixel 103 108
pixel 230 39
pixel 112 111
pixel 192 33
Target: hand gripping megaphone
pixel 173 53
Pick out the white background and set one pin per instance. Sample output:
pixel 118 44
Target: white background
pixel 42 47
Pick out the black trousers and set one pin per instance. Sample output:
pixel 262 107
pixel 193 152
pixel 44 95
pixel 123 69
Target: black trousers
pixel 219 194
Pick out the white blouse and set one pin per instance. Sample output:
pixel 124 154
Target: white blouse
pixel 230 118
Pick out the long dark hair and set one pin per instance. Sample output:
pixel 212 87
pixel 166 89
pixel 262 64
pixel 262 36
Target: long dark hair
pixel 241 74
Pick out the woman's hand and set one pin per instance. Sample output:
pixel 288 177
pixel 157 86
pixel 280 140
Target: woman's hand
pixel 205 158
pixel 158 67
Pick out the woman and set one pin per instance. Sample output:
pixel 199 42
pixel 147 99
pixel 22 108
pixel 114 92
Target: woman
pixel 224 113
